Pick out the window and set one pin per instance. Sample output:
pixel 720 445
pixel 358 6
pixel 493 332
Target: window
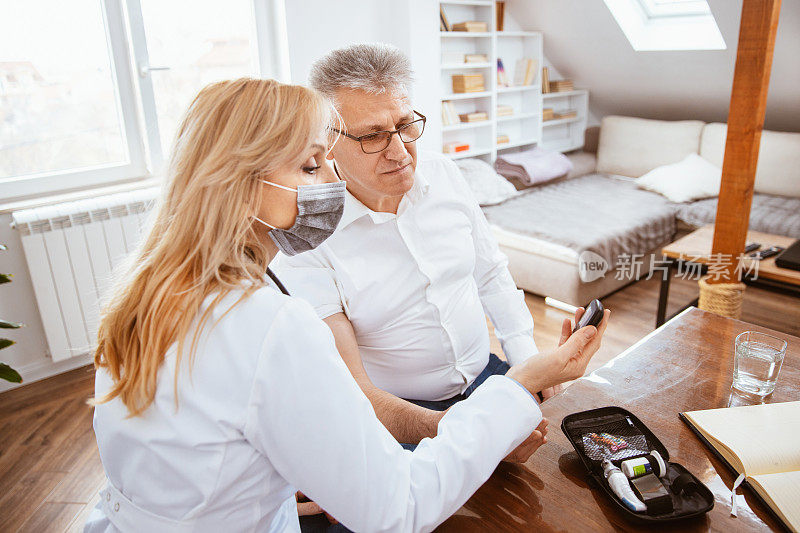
pixel 652 25
pixel 674 8
pixel 92 91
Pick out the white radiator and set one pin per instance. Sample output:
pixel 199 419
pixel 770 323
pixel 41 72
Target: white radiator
pixel 71 250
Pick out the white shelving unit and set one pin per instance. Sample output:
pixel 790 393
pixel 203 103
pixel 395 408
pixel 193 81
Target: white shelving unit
pixel 565 134
pixel 524 128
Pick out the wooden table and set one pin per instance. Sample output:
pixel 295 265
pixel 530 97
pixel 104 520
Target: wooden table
pixel 685 365
pixel 696 248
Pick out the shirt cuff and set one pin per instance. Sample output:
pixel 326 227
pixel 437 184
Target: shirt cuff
pixel 535 399
pixel 519 348
pixel 325 310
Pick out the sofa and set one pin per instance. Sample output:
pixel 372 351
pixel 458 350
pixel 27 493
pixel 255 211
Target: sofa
pixel 554 233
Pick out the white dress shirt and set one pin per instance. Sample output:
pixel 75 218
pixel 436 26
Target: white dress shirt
pixel 268 407
pixel 417 286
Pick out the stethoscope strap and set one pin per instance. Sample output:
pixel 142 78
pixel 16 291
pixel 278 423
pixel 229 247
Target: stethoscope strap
pixel 277 282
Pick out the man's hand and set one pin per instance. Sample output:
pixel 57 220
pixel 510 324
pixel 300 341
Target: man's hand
pixel 522 453
pixel 306 507
pixel 566 331
pixel 565 363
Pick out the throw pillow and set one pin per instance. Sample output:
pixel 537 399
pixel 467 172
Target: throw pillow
pixel 691 179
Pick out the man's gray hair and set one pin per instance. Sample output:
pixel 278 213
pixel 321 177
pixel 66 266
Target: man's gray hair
pixel 373 68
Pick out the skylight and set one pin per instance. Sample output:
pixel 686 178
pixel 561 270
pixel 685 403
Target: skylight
pixel 652 25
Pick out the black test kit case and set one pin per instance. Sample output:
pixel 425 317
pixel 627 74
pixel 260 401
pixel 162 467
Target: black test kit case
pixel 614 425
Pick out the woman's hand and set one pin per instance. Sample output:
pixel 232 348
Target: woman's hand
pixel 565 363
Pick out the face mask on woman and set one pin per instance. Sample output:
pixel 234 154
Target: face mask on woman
pixel 319 209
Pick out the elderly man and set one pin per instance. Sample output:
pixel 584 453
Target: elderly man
pixel 407 279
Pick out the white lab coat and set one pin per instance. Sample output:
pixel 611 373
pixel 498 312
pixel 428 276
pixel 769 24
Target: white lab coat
pixel 268 407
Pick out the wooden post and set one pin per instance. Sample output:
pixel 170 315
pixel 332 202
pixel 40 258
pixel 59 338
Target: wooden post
pixel 745 122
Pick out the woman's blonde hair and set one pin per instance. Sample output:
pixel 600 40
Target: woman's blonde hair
pixel 203 241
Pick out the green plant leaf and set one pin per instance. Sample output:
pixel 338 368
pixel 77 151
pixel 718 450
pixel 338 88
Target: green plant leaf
pixel 5 278
pixel 9 374
pixel 5 324
pixel 5 343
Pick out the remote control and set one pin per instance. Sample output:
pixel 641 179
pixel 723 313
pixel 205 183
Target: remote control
pixel 769 252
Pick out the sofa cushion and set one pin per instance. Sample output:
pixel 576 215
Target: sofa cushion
pixel 691 179
pixel 634 146
pixel 487 186
pixel 778 215
pixel 778 170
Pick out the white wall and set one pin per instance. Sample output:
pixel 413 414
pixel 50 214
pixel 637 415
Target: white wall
pixel 411 25
pixel 584 40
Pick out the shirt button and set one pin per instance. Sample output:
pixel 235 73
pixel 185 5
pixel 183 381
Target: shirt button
pixel 116 506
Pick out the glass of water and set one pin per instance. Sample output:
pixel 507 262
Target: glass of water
pixel 757 362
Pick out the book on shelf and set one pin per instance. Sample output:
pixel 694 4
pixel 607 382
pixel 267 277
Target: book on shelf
pixel 449 115
pixel 502 79
pixel 475 116
pixel 471 26
pixel 504 110
pixel 549 114
pixel 455 147
pixel 545 80
pixel 759 442
pixel 499 14
pixel 525 71
pixel 443 24
pixel 502 138
pixel 559 86
pixel 476 58
pixel 467 83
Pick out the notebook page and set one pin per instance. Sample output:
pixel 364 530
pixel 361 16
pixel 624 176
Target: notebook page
pixel 764 437
pixel 784 491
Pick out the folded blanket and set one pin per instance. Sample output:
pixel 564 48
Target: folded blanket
pixel 533 166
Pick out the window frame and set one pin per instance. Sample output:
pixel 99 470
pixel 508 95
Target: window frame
pixel 130 70
pixel 685 8
pixel 665 32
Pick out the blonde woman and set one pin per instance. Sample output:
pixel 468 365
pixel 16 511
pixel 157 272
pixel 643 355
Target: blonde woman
pixel 218 396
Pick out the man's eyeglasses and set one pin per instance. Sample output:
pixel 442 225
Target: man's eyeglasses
pixel 378 141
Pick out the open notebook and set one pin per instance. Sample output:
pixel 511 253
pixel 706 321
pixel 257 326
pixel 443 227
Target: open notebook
pixel 763 443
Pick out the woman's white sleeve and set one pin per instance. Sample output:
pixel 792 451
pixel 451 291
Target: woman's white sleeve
pixel 319 431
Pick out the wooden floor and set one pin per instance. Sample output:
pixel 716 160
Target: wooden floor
pixel 50 471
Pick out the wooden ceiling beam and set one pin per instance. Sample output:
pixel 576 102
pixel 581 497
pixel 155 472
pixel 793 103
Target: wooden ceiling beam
pixel 758 26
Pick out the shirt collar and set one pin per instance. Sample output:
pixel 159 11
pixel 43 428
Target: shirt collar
pixel 354 209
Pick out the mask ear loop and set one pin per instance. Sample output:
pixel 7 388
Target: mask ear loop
pixel 274 185
pixel 278 186
pixel 270 226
